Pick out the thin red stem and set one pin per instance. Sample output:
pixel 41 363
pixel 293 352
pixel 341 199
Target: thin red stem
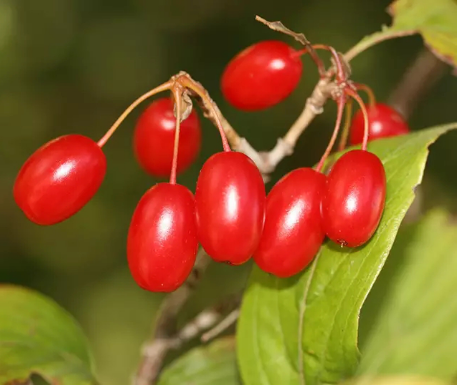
pixel 174 163
pixel 340 74
pixel 317 60
pixel 200 91
pixel 117 123
pixel 340 103
pixel 359 100
pixel 368 91
pixel 339 65
pixel 346 126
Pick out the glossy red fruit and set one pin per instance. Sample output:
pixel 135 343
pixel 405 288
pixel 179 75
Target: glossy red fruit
pixel 354 198
pixel 154 137
pixel 230 200
pixel 383 120
pixel 293 231
pixel 59 178
pixel 262 75
pixel 162 240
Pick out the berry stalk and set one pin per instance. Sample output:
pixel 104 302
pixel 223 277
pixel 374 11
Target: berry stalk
pixel 117 123
pixel 188 82
pixel 340 71
pixel 359 100
pixel 340 103
pixel 177 92
pixel 317 60
pixel 368 91
pixel 346 126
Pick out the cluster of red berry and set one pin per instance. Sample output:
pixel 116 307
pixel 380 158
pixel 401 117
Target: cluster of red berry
pixel 266 73
pixel 230 216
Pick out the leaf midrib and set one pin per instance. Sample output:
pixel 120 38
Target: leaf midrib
pixel 303 305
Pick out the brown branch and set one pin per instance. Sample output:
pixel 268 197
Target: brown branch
pixel 155 352
pixel 324 89
pixel 222 326
pixel 423 73
pixel 164 336
pixel 268 160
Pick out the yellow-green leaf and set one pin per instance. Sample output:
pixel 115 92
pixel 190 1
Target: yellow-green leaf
pixel 395 380
pixel 416 332
pixel 37 336
pixel 213 364
pixel 435 20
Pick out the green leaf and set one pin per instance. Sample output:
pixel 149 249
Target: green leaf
pixel 416 332
pixel 37 336
pixel 303 330
pixel 374 302
pixel 435 20
pixel 214 364
pixel 398 380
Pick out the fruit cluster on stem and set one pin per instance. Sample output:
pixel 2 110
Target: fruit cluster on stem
pixel 230 215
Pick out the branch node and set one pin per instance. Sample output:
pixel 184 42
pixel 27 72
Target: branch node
pixel 245 147
pixel 317 109
pixel 186 107
pixel 278 153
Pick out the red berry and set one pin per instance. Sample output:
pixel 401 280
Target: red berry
pixel 59 178
pixel 293 232
pixel 262 75
pixel 162 240
pixel 383 120
pixel 230 200
pixel 155 134
pixel 354 198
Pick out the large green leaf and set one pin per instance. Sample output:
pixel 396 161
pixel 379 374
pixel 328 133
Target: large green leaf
pixel 37 336
pixel 303 330
pixel 435 20
pixel 417 330
pixel 214 364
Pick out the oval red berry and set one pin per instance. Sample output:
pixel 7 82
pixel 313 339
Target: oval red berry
pixel 354 198
pixel 154 137
pixel 293 232
pixel 383 121
pixel 162 240
pixel 230 201
pixel 262 75
pixel 59 178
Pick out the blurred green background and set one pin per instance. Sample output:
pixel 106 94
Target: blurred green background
pixel 72 66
